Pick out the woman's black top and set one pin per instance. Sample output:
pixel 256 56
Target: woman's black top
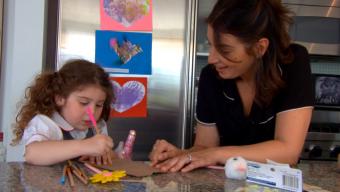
pixel 218 102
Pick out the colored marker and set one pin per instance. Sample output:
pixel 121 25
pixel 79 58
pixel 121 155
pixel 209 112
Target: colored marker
pixel 128 145
pixel 93 120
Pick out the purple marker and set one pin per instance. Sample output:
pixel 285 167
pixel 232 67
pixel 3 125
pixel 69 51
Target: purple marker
pixel 127 150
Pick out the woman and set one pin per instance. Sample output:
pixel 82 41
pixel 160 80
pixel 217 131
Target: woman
pixel 255 98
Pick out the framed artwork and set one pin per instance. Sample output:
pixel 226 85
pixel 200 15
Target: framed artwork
pixel 327 91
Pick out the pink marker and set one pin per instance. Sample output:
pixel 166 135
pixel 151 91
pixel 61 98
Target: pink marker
pixel 93 120
pixel 130 140
pixel 92 168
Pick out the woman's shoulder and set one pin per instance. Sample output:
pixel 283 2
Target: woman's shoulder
pixel 298 49
pixel 300 58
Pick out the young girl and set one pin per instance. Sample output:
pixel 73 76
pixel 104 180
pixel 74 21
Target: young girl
pixel 53 124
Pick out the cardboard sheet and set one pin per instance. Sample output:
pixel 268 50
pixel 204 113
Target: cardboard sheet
pixel 132 168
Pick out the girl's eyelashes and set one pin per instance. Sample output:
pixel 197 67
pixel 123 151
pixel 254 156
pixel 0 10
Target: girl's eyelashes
pixel 100 105
pixel 84 103
pixel 87 102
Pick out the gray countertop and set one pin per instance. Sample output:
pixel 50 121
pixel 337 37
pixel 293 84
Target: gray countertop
pixel 24 177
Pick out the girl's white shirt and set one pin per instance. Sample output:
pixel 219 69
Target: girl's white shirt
pixel 43 128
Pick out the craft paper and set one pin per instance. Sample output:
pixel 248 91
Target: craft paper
pixel 132 168
pixel 124 52
pixel 130 97
pixel 126 15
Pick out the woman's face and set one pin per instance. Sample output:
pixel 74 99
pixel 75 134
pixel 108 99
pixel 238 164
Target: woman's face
pixel 235 61
pixel 73 108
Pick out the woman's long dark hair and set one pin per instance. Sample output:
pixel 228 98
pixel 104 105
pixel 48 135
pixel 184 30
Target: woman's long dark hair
pixel 251 20
pixel 73 76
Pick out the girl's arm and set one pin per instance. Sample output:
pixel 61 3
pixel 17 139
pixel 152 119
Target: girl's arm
pixel 51 152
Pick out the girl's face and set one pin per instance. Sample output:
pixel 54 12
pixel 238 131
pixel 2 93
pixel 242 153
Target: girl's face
pixel 73 108
pixel 235 61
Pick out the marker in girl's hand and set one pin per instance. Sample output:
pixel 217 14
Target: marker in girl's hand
pixel 93 120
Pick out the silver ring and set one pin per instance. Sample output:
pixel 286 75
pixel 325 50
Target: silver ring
pixel 189 157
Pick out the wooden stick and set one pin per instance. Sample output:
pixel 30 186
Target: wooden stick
pixel 70 177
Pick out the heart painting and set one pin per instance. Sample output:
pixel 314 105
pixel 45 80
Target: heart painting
pixel 126 12
pixel 128 95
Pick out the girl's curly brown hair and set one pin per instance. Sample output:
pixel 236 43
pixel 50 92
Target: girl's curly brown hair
pixel 74 75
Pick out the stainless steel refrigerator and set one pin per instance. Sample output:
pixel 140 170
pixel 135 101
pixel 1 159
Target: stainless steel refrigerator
pixel 170 89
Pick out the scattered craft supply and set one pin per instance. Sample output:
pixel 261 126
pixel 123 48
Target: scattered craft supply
pixel 72 168
pixel 70 177
pixel 104 176
pixel 78 175
pixel 82 173
pixel 62 179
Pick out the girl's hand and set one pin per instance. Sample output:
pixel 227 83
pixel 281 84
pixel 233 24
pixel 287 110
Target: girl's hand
pixel 98 145
pixel 105 159
pixel 86 158
pixel 99 160
pixel 162 150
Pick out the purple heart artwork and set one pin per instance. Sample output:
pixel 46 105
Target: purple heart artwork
pixel 128 95
pixel 126 12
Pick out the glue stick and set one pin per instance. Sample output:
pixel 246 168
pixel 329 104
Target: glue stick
pixel 128 145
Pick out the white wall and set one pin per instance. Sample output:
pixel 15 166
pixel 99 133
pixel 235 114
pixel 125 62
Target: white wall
pixel 23 45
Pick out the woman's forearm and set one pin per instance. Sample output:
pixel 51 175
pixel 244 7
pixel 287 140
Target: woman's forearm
pixel 274 150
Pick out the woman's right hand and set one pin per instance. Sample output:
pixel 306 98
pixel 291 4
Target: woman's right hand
pixel 98 145
pixel 163 150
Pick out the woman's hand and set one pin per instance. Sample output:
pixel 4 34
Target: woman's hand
pixel 189 161
pixel 202 158
pixel 161 151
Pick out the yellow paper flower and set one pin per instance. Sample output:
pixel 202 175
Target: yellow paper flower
pixel 107 176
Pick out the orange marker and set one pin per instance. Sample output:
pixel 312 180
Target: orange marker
pixel 70 177
pixel 77 174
